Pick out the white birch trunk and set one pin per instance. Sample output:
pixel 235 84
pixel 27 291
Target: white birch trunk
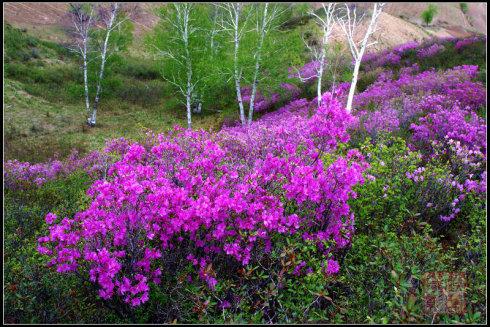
pixel 189 68
pixel 353 84
pixel 93 117
pixel 188 105
pixel 214 30
pixel 238 74
pixel 320 76
pixel 239 95
pixel 257 65
pixel 82 22
pixel 327 24
pixel 349 25
pixel 85 76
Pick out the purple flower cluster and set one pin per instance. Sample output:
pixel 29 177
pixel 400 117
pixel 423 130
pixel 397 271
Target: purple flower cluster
pixel 400 101
pixel 451 123
pixel 308 73
pixel 399 54
pixel 405 47
pixel 23 175
pixel 445 195
pixel 228 194
pixel 373 60
pixel 465 42
pixel 430 51
pixel 263 103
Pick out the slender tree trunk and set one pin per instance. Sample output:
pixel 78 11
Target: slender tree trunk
pixel 85 78
pixel 357 65
pixel 239 96
pixel 93 117
pixel 348 28
pixel 214 30
pixel 254 89
pixel 189 70
pixel 320 76
pixel 188 104
pixel 238 74
pixel 257 66
pixel 353 84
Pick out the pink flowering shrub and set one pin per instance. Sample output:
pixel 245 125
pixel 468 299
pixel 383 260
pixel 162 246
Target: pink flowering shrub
pixel 442 191
pixel 454 123
pixel 24 175
pixel 263 103
pixel 412 52
pixel 404 47
pixel 308 73
pixel 378 59
pixel 468 41
pixel 399 102
pixel 213 198
pixel 430 51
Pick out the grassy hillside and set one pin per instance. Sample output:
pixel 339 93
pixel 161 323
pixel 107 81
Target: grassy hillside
pixel 43 102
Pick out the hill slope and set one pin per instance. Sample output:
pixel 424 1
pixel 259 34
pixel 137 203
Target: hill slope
pixel 400 23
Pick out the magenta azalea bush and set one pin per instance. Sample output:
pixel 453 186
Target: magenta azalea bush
pixel 308 73
pixel 430 51
pixel 230 194
pixel 24 175
pixel 399 102
pixel 468 41
pixel 263 103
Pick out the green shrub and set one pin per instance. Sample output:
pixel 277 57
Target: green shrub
pixel 464 7
pixel 269 292
pixel 368 78
pixel 22 47
pixel 137 68
pixel 428 14
pixel 386 199
pixel 143 93
pixel 34 293
pixel 471 253
pixel 381 282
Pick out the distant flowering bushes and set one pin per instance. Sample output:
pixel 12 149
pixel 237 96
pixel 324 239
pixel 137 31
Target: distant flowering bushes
pixel 213 198
pixel 400 101
pixel 402 48
pixel 458 124
pixel 308 73
pixel 443 193
pixel 465 42
pixel 430 51
pixel 400 55
pixel 263 103
pixel 22 175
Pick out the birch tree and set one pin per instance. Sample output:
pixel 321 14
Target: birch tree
pixel 82 19
pixel 233 23
pixel 349 24
pixel 319 53
pixel 88 21
pixel 108 19
pixel 266 22
pixel 173 40
pixel 217 23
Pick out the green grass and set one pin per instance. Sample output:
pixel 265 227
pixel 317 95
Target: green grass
pixel 44 111
pixel 36 129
